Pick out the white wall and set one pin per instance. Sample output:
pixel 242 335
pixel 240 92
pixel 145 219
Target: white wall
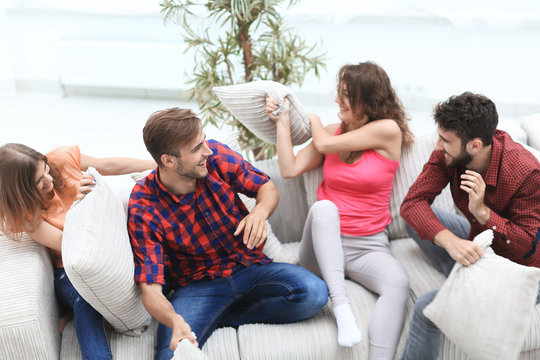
pixel 429 51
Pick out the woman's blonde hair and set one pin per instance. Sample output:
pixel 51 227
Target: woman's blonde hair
pixel 20 200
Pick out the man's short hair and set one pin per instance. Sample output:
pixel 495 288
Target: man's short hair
pixel 469 115
pixel 167 130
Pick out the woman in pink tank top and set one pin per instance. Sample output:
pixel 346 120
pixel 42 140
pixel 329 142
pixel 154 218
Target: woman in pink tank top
pixel 344 235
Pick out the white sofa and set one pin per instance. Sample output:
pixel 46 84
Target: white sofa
pixel 29 317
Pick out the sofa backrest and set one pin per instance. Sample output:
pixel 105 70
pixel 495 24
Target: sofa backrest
pixel 290 215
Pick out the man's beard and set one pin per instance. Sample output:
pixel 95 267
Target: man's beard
pixel 180 170
pixel 461 160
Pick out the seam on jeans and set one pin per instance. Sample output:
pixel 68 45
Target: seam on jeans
pixel 219 316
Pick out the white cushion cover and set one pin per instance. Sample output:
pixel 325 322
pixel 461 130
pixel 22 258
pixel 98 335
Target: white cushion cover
pixel 98 259
pixel 247 102
pixel 487 307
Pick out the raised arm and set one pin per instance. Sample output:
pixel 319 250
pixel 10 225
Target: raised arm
pixel 116 165
pixel 162 310
pixel 290 165
pixel 384 136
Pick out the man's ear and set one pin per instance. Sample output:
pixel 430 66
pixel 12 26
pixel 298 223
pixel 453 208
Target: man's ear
pixel 475 145
pixel 168 160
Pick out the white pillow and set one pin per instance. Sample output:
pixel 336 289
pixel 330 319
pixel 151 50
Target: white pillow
pixel 98 260
pixel 486 308
pixel 247 102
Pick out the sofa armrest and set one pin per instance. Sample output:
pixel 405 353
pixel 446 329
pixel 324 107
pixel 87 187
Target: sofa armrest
pixel 29 316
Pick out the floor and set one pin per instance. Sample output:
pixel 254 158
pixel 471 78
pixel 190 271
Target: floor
pixel 112 126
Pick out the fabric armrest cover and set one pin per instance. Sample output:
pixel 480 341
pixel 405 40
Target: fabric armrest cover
pixel 29 312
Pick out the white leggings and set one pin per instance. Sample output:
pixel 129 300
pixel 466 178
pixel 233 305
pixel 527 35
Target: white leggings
pixel 366 260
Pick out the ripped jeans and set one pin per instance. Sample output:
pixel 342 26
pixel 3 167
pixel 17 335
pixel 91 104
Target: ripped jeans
pixel 88 322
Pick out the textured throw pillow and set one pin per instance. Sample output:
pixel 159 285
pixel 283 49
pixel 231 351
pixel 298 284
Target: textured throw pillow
pixel 247 102
pixel 98 260
pixel 487 307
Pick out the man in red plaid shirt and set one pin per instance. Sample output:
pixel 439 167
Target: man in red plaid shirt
pixel 197 250
pixel 495 183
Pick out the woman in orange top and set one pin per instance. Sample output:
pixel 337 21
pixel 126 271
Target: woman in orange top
pixel 36 191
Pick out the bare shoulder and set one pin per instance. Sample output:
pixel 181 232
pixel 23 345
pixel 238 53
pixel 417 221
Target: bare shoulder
pixel 388 127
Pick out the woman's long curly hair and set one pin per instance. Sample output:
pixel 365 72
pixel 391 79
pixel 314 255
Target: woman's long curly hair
pixel 370 92
pixel 20 200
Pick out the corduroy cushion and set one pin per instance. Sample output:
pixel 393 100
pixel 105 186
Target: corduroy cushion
pixel 499 297
pixel 531 124
pixel 28 311
pixel 412 161
pixel 247 102
pixel 98 260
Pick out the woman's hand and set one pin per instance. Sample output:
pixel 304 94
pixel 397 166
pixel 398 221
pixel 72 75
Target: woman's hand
pixel 85 185
pixel 276 110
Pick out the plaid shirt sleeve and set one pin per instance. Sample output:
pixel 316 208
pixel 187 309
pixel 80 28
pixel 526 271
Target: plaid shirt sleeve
pixel 520 232
pixel 236 171
pixel 145 242
pixel 416 207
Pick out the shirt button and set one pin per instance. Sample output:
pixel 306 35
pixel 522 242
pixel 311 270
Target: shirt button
pixel 206 213
pixel 508 241
pixel 494 227
pixel 473 220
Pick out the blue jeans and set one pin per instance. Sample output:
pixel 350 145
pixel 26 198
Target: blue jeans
pixel 272 293
pixel 425 339
pixel 88 322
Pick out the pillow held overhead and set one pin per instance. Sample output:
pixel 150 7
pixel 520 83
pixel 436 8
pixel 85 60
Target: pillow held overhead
pixel 247 102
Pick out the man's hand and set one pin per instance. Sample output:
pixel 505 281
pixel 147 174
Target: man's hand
pixel 473 184
pixel 254 227
pixel 181 330
pixel 463 251
pixel 85 185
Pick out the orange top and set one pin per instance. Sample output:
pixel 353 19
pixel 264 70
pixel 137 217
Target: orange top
pixel 67 160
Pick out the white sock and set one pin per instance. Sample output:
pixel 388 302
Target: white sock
pixel 348 332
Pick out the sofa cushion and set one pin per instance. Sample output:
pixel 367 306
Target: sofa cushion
pixel 500 298
pixel 531 124
pixel 410 166
pixel 272 246
pixel 247 102
pixel 28 315
pixel 290 215
pixel 98 260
